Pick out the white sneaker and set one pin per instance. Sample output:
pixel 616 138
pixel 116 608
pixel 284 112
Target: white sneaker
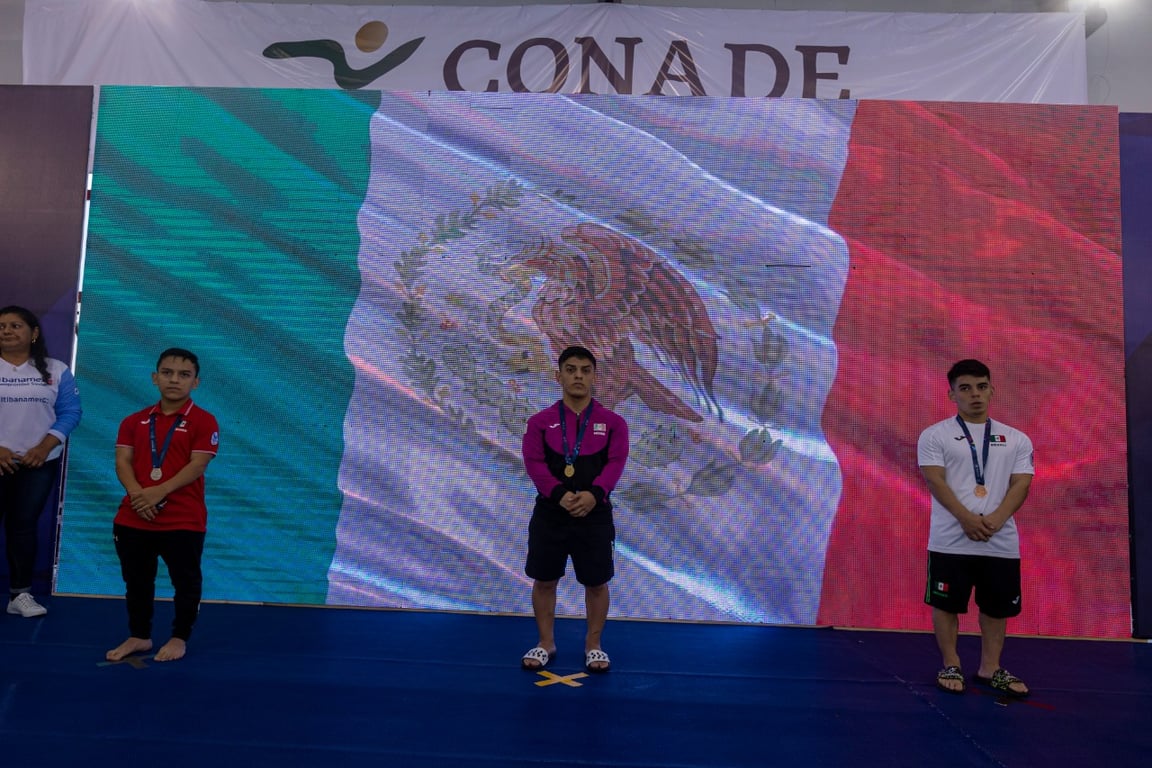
pixel 26 605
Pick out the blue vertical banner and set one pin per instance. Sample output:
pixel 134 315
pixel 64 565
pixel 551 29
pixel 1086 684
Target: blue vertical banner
pixel 1136 199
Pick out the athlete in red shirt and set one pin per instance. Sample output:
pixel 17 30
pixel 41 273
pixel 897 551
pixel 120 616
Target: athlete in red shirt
pixel 161 454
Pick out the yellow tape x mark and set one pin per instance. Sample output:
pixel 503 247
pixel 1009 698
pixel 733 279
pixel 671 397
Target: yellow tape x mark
pixel 552 679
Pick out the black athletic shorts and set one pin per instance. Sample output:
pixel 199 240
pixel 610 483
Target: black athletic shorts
pixel 951 579
pixel 553 538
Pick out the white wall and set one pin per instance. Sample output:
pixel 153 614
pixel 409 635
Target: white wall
pixel 1120 57
pixel 1119 52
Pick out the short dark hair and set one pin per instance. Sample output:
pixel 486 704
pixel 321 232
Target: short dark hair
pixel 570 352
pixel 182 354
pixel 968 368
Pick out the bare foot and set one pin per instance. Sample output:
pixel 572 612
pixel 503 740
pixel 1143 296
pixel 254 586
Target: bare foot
pixel 171 650
pixel 128 647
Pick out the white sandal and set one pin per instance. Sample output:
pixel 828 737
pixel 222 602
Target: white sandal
pixel 595 656
pixel 538 655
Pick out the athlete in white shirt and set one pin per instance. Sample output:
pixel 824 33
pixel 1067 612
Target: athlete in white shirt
pixel 979 472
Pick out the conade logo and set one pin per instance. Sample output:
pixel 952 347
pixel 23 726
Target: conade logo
pixel 369 38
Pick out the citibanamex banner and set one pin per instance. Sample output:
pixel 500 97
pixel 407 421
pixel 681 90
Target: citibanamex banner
pixel 589 49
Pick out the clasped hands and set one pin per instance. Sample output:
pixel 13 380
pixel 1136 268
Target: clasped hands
pixel 146 502
pixel 32 458
pixel 578 504
pixel 979 527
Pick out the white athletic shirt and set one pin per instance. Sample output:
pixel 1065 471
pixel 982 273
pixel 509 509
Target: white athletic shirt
pixel 1009 453
pixel 31 409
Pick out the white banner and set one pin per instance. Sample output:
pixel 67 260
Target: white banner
pixel 597 48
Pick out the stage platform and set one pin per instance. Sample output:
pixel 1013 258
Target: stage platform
pixel 295 686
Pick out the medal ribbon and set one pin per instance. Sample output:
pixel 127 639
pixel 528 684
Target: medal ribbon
pixel 158 456
pixel 976 470
pixel 570 457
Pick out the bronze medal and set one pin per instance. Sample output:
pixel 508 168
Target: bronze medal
pixel 569 470
pixel 156 473
pixel 981 491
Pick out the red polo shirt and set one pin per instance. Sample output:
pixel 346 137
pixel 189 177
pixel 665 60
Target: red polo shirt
pixel 197 432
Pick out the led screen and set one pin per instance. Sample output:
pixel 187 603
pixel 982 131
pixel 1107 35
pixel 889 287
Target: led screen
pixel 378 286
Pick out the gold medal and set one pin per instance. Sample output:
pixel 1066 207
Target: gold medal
pixel 570 455
pixel 156 473
pixel 981 491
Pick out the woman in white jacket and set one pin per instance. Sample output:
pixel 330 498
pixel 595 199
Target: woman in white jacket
pixel 39 407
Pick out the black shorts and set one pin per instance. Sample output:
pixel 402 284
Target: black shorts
pixel 553 538
pixel 951 579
